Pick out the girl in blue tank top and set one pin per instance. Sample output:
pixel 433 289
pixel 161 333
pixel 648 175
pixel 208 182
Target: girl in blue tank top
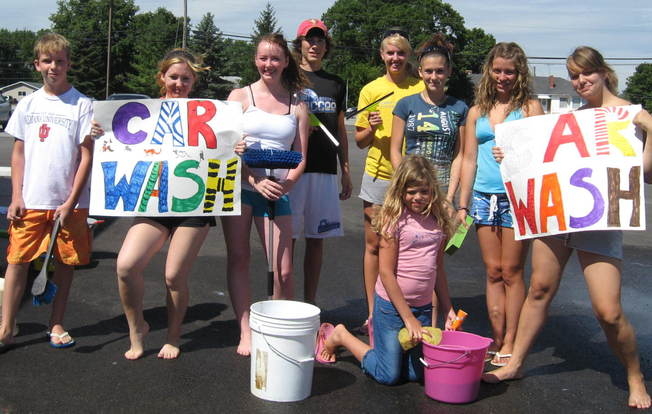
pixel 502 95
pixel 599 252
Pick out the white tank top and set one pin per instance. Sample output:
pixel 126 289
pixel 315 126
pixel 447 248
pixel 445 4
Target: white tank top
pixel 264 130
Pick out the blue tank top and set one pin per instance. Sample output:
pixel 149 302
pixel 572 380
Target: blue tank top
pixel 487 176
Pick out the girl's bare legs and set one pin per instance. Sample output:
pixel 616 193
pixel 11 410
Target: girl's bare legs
pixel 504 259
pixel 603 278
pixel 237 230
pixel 283 281
pixel 549 256
pixel 184 247
pixel 342 337
pixel 370 258
pixel 514 254
pixel 143 240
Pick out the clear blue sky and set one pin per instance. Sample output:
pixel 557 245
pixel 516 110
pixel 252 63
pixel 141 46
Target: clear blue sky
pixel 542 27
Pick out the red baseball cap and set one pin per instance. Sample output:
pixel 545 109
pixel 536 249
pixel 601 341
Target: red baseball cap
pixel 309 24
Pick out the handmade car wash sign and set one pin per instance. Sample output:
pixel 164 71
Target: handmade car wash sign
pixel 166 157
pixel 573 172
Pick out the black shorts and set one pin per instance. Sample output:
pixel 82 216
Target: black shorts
pixel 172 222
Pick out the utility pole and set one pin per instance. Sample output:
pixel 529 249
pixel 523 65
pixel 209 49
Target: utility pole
pixel 185 23
pixel 108 51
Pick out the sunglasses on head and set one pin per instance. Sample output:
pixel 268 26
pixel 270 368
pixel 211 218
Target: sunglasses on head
pixel 399 32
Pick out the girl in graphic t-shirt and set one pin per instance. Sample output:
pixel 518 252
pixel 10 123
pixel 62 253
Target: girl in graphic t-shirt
pixel 431 122
pixel 413 225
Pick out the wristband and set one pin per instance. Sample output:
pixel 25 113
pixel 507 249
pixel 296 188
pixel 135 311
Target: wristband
pixel 463 208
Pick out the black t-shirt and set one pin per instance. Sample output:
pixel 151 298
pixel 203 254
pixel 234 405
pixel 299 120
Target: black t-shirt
pixel 325 99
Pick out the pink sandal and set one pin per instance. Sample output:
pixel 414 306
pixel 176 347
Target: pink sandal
pixel 325 330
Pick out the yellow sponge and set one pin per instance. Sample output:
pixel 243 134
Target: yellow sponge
pixel 433 337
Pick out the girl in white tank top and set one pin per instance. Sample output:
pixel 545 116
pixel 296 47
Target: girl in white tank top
pixel 273 119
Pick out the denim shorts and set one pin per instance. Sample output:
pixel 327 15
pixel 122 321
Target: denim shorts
pixel 386 362
pixel 259 204
pixel 491 210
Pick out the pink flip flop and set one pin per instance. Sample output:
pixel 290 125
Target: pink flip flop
pixel 325 330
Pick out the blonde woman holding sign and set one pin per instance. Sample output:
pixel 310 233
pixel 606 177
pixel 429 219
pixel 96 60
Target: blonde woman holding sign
pixel 502 95
pixel 177 74
pixel 599 253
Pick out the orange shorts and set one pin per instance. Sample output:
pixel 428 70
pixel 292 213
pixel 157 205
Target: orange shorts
pixel 29 238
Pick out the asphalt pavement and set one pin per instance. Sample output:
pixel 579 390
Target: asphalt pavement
pixel 570 368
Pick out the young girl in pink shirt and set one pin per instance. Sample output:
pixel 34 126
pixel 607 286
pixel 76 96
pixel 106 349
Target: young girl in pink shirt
pixel 413 227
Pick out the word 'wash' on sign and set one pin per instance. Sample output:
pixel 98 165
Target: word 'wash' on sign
pixel 573 172
pixel 172 157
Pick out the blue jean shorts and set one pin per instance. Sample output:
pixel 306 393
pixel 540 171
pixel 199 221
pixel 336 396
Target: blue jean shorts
pixel 259 204
pixel 491 210
pixel 386 362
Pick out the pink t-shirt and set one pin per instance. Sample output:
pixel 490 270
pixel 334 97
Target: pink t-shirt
pixel 419 241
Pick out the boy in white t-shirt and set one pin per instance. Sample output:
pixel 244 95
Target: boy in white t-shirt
pixel 50 164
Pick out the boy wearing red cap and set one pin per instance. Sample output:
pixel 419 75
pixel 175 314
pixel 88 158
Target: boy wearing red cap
pixel 315 209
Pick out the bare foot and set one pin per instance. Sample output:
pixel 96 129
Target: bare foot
pixel 502 374
pixel 169 351
pixel 638 396
pixel 244 347
pixel 332 343
pixel 137 340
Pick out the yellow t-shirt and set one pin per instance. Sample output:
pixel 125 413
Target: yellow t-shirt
pixel 378 164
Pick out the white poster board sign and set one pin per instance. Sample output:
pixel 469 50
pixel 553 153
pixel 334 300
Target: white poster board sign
pixel 166 157
pixel 573 172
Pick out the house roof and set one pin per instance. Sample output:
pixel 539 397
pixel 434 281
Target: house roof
pixel 541 85
pixel 32 85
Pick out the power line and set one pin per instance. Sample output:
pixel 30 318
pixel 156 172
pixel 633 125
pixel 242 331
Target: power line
pixel 607 58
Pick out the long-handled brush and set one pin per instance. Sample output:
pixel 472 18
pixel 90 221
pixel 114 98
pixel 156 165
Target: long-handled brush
pixel 371 107
pixel 271 159
pixel 42 288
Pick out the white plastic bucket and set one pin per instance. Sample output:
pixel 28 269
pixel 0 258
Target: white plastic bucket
pixel 283 336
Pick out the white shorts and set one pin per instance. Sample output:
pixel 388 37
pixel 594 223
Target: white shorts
pixel 315 205
pixel 373 189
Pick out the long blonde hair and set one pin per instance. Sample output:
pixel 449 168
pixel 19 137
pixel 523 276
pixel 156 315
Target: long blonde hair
pixel 485 94
pixel 414 170
pixel 586 58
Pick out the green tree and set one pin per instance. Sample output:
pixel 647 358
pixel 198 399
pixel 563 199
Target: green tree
pixel 207 39
pixel 265 23
pixel 239 56
pixel 16 56
pixel 476 45
pixel 639 86
pixel 357 26
pixel 151 36
pixel 85 24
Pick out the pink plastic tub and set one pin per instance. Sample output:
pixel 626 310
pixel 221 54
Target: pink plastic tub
pixel 453 368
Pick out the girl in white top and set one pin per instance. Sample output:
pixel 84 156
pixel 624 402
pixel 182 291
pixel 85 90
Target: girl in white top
pixel 274 118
